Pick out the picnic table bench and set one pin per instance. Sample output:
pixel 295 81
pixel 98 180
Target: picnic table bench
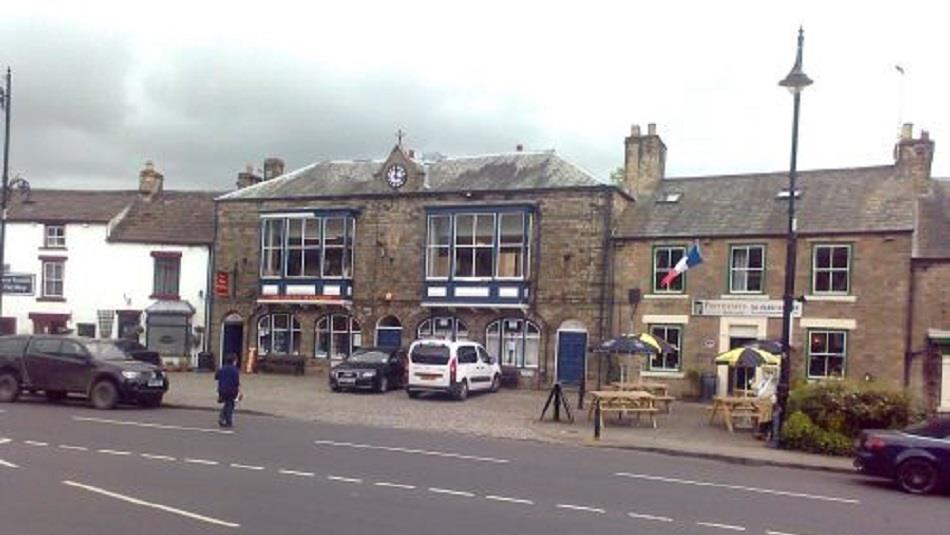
pixel 296 363
pixel 660 392
pixel 622 402
pixel 731 408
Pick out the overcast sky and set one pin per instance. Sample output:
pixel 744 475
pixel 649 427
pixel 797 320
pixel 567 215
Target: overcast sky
pixel 204 89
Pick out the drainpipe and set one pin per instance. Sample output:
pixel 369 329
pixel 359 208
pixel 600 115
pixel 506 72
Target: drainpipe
pixel 606 312
pixel 909 325
pixel 209 292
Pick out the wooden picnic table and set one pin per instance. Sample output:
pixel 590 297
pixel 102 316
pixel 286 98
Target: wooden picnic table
pixel 630 402
pixel 758 410
pixel 660 391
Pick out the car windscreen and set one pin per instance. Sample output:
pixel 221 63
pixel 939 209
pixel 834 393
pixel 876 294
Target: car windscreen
pixel 426 354
pixel 106 351
pixel 931 429
pixel 370 357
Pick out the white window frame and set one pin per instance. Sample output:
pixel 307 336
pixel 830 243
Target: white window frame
pixel 268 249
pixel 459 329
pixel 524 245
pixel 496 340
pixel 434 248
pixel 292 330
pixel 747 269
pixel 53 239
pixel 324 325
pixel 303 247
pixel 54 278
pixel 474 245
pixel 680 279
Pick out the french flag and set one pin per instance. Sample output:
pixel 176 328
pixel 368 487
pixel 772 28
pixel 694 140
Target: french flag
pixel 691 259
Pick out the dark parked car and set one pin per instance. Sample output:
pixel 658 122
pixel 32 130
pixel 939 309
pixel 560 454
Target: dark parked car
pixel 60 365
pixel 138 352
pixel 375 368
pixel 917 458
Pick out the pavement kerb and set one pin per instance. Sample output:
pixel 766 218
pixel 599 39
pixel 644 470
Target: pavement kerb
pixel 590 443
pixel 733 459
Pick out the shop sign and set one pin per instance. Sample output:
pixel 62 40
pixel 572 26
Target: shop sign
pixel 222 284
pixel 18 284
pixel 762 308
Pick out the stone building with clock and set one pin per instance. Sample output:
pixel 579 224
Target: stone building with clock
pixel 506 249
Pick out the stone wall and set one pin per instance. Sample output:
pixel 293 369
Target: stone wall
pixel 931 311
pixel 566 265
pixel 876 306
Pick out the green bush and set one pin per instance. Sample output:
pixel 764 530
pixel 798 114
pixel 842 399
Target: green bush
pixel 825 417
pixel 847 408
pixel 800 433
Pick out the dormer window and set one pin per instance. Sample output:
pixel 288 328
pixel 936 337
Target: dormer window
pixel 669 197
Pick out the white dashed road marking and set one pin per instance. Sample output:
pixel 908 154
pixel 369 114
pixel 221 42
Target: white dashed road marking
pixel 394 485
pixel 739 487
pixel 73 448
pixel 642 516
pixel 345 479
pixel 580 508
pixel 158 457
pixel 720 526
pixel 246 466
pixel 202 461
pixel 160 507
pixel 4 440
pixel 7 464
pixel 296 473
pixel 451 492
pixel 445 454
pixel 35 443
pixel 509 500
pixel 771 532
pixel 152 426
pixel 114 452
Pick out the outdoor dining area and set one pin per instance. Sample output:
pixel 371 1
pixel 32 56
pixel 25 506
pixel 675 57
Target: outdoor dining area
pixel 634 400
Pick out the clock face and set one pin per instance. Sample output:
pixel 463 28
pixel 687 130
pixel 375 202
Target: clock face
pixel 396 176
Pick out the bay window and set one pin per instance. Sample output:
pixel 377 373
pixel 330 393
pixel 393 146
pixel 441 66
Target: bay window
pixel 308 247
pixel 485 245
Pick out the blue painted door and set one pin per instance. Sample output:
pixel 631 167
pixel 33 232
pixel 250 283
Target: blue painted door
pixel 571 351
pixel 389 337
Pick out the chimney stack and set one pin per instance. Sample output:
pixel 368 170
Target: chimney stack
pixel 150 180
pixel 273 168
pixel 247 177
pixel 914 157
pixel 519 148
pixel 644 161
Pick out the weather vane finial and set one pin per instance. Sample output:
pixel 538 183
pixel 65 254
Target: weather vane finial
pixel 399 135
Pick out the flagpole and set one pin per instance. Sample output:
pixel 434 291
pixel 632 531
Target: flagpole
pixel 5 102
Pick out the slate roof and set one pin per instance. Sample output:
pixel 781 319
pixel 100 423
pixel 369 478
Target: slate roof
pixel 172 217
pixel 496 172
pixel 933 222
pixel 69 206
pixel 832 200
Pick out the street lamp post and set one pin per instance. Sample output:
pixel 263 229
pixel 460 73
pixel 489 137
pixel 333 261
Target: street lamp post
pixel 795 82
pixel 5 192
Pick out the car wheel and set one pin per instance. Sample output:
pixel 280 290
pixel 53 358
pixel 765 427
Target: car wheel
pixel 413 394
pixel 917 476
pixel 104 395
pixel 461 391
pixel 496 383
pixel 383 385
pixel 9 387
pixel 55 396
pixel 334 388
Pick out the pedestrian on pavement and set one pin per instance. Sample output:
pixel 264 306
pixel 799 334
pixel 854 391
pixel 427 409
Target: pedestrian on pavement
pixel 229 386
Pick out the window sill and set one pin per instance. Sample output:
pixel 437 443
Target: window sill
pixel 831 298
pixel 663 375
pixel 52 248
pixel 51 299
pixel 666 296
pixel 750 296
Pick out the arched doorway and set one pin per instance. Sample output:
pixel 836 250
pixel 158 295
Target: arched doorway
pixel 389 332
pixel 232 337
pixel 571 357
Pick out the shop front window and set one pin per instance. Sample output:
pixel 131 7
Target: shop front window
pixel 337 335
pixel 514 342
pixel 279 334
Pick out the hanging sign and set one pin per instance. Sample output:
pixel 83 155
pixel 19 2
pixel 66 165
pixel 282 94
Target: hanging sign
pixel 222 284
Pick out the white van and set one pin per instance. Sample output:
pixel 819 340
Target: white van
pixel 453 367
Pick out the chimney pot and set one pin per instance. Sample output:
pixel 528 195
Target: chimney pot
pixel 924 135
pixel 273 167
pixel 519 147
pixel 149 165
pixel 651 129
pixel 907 131
pixel 634 130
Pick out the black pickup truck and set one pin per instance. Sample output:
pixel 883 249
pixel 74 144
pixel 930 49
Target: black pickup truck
pixel 60 365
